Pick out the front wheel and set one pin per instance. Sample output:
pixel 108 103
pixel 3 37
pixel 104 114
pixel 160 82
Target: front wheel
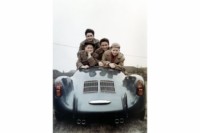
pixel 141 115
pixel 58 116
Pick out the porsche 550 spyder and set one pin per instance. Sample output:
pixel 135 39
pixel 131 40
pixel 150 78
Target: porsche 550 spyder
pixel 99 92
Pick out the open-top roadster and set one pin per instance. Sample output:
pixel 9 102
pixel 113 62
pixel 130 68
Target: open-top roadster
pixel 99 92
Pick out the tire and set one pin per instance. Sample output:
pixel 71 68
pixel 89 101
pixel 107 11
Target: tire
pixel 58 116
pixel 141 115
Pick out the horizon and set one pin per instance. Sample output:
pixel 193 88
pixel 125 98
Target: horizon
pixel 76 69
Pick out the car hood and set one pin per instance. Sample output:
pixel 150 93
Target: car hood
pixel 100 90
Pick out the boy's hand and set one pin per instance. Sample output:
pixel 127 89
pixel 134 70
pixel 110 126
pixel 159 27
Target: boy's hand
pixel 89 54
pixel 112 65
pixel 100 63
pixel 85 66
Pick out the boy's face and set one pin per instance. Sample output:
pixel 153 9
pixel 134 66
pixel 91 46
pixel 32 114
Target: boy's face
pixel 89 48
pixel 104 45
pixel 114 51
pixel 89 37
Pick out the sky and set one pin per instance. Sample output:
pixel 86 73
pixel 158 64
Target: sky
pixel 121 21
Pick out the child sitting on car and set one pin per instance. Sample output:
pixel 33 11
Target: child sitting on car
pixel 87 57
pixel 104 46
pixel 113 58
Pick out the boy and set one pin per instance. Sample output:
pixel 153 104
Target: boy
pixel 113 58
pixel 89 34
pixel 104 46
pixel 87 57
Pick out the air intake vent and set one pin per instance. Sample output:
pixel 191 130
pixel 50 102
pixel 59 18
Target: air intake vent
pixel 107 86
pixel 90 86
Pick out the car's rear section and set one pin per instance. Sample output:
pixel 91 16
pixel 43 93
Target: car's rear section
pixel 112 97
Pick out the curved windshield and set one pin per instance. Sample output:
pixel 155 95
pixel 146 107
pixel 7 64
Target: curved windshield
pixel 98 73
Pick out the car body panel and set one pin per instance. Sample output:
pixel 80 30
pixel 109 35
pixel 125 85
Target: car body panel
pixel 99 84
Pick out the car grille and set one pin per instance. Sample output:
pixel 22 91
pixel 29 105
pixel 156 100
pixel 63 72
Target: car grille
pixel 90 86
pixel 107 86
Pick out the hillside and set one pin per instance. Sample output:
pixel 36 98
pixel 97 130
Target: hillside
pixel 140 71
pixel 130 69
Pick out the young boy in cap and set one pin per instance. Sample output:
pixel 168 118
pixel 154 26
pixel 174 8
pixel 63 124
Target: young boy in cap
pixel 113 58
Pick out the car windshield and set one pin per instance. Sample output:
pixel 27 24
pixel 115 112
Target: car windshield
pixel 98 73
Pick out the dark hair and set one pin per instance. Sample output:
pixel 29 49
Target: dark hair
pixel 89 43
pixel 104 40
pixel 89 31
